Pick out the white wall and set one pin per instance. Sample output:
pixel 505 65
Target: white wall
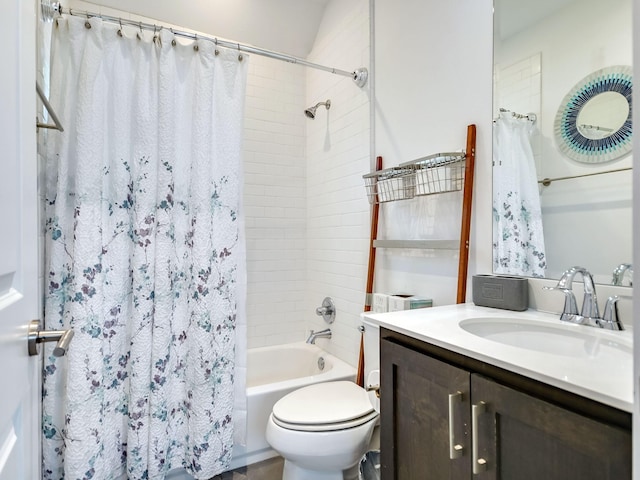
pixel 433 77
pixel 275 202
pixel 337 157
pixel 570 48
pixel 286 26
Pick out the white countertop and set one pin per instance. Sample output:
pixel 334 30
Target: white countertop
pixel 595 378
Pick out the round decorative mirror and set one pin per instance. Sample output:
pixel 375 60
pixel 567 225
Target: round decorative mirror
pixel 593 123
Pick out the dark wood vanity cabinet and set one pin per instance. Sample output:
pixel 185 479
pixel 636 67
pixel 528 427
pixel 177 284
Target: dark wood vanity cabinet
pixel 524 430
pixel 414 426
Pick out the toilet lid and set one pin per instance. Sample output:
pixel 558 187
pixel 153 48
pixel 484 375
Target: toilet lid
pixel 324 404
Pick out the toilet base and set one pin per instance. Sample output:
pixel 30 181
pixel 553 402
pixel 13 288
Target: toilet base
pixel 292 471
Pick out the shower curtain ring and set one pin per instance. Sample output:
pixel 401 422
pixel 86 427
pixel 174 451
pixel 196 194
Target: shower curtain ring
pixel 120 30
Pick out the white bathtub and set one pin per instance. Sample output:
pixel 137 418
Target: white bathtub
pixel 272 372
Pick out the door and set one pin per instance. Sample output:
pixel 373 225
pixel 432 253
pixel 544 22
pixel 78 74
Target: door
pixel 19 373
pixel 425 413
pixel 523 437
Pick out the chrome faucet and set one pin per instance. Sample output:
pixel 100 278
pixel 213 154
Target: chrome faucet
pixel 589 314
pixel 326 333
pixel 618 274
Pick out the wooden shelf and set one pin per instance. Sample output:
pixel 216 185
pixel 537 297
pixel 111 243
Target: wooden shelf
pixel 434 174
pixel 421 244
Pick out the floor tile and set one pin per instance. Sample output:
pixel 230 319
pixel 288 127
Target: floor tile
pixel 270 469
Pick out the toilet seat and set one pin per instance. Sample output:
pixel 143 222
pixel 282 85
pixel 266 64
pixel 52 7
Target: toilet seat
pixel 324 407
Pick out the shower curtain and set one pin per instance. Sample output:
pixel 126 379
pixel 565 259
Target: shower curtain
pixel 143 253
pixel 518 240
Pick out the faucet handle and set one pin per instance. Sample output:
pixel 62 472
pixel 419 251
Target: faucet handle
pixel 570 304
pixel 610 318
pixel 327 310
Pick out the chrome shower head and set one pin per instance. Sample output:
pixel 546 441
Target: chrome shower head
pixel 311 111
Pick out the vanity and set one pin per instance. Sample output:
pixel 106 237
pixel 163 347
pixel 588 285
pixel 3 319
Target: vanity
pixel 476 392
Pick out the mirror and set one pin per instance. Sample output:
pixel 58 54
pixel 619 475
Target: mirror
pixel 548 54
pixel 593 123
pixel 603 115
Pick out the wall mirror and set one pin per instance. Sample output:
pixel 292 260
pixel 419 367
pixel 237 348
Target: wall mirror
pixel 593 123
pixel 562 73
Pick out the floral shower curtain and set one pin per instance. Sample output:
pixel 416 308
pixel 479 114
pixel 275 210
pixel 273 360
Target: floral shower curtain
pixel 142 253
pixel 518 239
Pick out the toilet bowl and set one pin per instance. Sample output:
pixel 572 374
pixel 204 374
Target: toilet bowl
pixel 322 430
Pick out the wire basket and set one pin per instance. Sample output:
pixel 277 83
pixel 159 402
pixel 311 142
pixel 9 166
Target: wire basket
pixel 390 184
pixel 438 173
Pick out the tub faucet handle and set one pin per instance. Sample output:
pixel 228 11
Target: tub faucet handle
pixel 327 310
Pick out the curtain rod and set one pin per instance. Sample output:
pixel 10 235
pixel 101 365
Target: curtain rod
pixel 547 181
pixel 359 76
pixel 529 116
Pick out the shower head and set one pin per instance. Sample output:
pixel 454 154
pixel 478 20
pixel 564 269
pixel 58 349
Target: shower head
pixel 311 111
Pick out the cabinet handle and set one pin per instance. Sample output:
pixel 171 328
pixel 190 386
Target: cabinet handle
pixel 479 464
pixel 455 449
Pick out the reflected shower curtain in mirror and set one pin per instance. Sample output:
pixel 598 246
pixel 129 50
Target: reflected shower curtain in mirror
pixel 518 240
pixel 142 253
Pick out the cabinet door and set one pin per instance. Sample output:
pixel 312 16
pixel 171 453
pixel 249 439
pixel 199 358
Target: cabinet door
pixel 522 437
pixel 424 417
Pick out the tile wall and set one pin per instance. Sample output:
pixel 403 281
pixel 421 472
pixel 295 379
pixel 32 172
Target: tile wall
pixel 518 87
pixel 275 201
pixel 338 154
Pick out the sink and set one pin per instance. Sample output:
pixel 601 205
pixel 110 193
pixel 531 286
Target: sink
pixel 574 341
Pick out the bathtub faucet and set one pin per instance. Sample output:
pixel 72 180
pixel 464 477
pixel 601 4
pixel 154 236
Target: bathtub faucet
pixel 326 333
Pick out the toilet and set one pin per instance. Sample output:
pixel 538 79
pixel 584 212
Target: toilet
pixel 323 430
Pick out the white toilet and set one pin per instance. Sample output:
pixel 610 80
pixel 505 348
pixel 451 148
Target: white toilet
pixel 323 430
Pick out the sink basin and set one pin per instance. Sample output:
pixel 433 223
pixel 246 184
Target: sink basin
pixel 574 341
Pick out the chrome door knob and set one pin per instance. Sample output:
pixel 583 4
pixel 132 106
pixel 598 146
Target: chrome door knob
pixel 37 336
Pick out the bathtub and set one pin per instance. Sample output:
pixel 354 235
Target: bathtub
pixel 272 372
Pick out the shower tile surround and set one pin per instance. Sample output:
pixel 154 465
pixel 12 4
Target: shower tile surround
pixel 275 202
pixel 306 213
pixel 337 155
pixel 518 88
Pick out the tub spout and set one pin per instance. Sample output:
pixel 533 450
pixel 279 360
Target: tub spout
pixel 326 333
